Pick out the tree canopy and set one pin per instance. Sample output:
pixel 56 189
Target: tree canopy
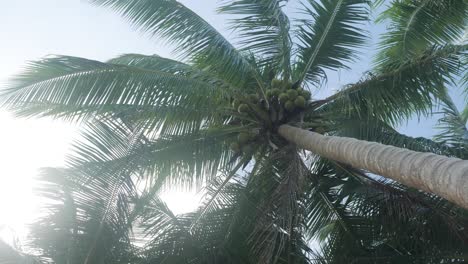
pixel 151 123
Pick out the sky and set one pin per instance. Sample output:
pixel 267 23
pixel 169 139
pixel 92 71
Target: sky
pixel 31 29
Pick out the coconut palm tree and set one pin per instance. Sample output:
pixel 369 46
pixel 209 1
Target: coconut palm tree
pixel 279 166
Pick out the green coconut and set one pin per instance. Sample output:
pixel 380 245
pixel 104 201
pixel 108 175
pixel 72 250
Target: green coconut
pixel 243 138
pixel 275 83
pixel 306 94
pixel 276 92
pixel 287 85
pixel 243 108
pixel 283 97
pixel 292 94
pixel 235 147
pixel 300 102
pixel 289 106
pixel 269 93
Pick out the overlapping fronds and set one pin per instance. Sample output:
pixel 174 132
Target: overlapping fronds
pixel 415 26
pixel 371 217
pixel 86 222
pixel 403 89
pixel 158 63
pixel 185 160
pixel 329 36
pixel 279 213
pixel 75 87
pixel 452 126
pixel 153 123
pixel 191 35
pixel 264 30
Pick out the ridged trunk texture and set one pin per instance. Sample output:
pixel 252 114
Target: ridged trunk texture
pixel 444 176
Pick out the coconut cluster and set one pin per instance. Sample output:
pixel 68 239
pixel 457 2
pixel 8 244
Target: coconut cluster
pixel 281 93
pixel 287 96
pixel 281 103
pixel 243 143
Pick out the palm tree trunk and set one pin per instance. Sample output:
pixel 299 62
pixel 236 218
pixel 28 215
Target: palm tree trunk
pixel 444 176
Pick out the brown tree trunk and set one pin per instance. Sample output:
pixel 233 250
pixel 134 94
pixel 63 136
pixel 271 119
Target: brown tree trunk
pixel 443 176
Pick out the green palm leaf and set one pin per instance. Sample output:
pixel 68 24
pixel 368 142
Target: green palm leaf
pixel 176 23
pixel 157 63
pixel 452 126
pixel 329 36
pixel 81 83
pixel 91 223
pixel 403 89
pixel 387 214
pixel 264 30
pixel 188 159
pixel 418 25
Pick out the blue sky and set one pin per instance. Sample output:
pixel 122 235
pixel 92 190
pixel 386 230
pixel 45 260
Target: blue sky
pixel 31 29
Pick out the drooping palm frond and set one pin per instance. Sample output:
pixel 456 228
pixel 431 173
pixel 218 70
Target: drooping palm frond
pixel 381 218
pixel 464 114
pixel 86 222
pixel 329 36
pixel 192 35
pixel 452 126
pixel 158 63
pixel 277 230
pixel 263 30
pixel 167 237
pixel 96 196
pixel 415 26
pixel 189 159
pixel 403 89
pixel 50 86
pixel 218 233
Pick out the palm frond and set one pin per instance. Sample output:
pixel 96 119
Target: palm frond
pixel 166 237
pixel 193 37
pixel 329 36
pixel 87 221
pixel 264 30
pixel 279 214
pixel 452 125
pixel 415 26
pixel 85 85
pixel 387 220
pixel 158 63
pixel 188 159
pixel 403 89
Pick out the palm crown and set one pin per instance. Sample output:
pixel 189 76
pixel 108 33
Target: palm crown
pixel 212 120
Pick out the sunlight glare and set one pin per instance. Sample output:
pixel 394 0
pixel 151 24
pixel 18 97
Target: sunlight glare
pixel 26 145
pixel 181 202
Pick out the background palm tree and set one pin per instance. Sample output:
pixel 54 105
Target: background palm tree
pixel 213 120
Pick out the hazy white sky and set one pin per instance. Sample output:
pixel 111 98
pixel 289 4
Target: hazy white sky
pixel 31 29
